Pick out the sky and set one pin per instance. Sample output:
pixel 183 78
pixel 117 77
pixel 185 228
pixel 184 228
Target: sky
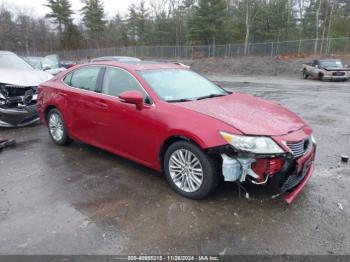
pixel 36 7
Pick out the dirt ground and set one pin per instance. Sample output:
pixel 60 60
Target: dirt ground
pixel 82 200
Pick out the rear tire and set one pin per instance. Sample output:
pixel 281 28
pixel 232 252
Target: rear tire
pixel 57 128
pixel 189 171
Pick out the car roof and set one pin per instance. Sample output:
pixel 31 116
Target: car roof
pixel 116 58
pixel 6 53
pixel 138 65
pixel 330 59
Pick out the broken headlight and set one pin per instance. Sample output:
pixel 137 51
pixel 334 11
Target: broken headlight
pixel 253 144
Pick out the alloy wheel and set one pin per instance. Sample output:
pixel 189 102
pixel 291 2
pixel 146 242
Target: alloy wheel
pixel 56 126
pixel 185 170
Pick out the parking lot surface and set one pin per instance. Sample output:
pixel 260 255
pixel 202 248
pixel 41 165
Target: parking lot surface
pixel 82 200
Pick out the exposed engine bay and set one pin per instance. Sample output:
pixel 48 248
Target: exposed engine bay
pixel 17 105
pixel 254 170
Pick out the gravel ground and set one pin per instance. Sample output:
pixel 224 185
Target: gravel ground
pixel 252 66
pixel 82 200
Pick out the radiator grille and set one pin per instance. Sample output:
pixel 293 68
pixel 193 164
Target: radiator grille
pixel 299 148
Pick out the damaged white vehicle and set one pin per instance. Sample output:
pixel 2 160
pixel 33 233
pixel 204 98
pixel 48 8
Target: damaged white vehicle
pixel 18 86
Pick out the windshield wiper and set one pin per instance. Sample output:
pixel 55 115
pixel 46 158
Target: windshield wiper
pixel 178 100
pixel 210 96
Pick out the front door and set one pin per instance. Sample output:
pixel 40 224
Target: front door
pixel 122 128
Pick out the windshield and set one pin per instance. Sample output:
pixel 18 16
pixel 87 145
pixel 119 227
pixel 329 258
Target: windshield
pixel 51 61
pixel 180 84
pixel 335 64
pixel 34 61
pixel 10 61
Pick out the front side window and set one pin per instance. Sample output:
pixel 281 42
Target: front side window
pixel 117 81
pixel 85 78
pixel 67 79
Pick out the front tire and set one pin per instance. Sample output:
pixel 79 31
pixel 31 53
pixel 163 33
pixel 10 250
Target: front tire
pixel 321 76
pixel 305 75
pixel 190 171
pixel 57 128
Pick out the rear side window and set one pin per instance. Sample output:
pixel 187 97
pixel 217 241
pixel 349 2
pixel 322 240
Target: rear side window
pixel 67 79
pixel 117 81
pixel 85 78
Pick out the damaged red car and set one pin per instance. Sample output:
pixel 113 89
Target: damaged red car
pixel 173 120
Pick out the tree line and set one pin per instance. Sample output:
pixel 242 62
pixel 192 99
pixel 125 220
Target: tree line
pixel 173 23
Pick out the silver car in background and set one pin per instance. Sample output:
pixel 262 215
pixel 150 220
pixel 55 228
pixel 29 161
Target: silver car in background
pixel 116 58
pixel 18 85
pixel 50 63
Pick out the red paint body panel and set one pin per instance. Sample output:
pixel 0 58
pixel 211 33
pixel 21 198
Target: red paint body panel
pixel 119 127
pixel 250 115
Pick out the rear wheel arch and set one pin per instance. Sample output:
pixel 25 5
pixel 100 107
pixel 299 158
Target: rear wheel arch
pixel 47 110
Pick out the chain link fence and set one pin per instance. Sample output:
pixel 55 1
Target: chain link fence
pixel 326 46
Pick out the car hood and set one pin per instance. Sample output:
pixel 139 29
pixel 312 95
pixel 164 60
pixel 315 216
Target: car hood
pixel 248 114
pixel 336 69
pixel 23 77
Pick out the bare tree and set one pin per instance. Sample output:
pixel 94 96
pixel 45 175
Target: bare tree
pixel 317 21
pixel 247 26
pixel 330 25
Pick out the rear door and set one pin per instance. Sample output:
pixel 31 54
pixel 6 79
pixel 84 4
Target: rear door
pixel 81 97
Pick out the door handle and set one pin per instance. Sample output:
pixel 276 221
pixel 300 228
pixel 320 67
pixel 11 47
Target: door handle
pixel 62 94
pixel 101 105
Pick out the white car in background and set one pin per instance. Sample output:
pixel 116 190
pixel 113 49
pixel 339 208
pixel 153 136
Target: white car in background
pixel 49 64
pixel 18 85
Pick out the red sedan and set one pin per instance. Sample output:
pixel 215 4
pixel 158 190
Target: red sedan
pixel 171 119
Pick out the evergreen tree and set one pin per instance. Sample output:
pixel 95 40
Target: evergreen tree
pixel 61 13
pixel 72 38
pixel 116 32
pixel 94 19
pixel 139 23
pixel 207 21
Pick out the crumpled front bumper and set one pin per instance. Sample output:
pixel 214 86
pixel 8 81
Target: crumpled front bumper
pixel 18 117
pixel 304 168
pixel 288 182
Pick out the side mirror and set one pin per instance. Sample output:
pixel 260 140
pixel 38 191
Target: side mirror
pixel 132 97
pixel 316 66
pixel 346 66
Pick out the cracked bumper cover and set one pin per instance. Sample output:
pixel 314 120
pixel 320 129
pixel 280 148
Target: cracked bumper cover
pixel 304 168
pixel 294 175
